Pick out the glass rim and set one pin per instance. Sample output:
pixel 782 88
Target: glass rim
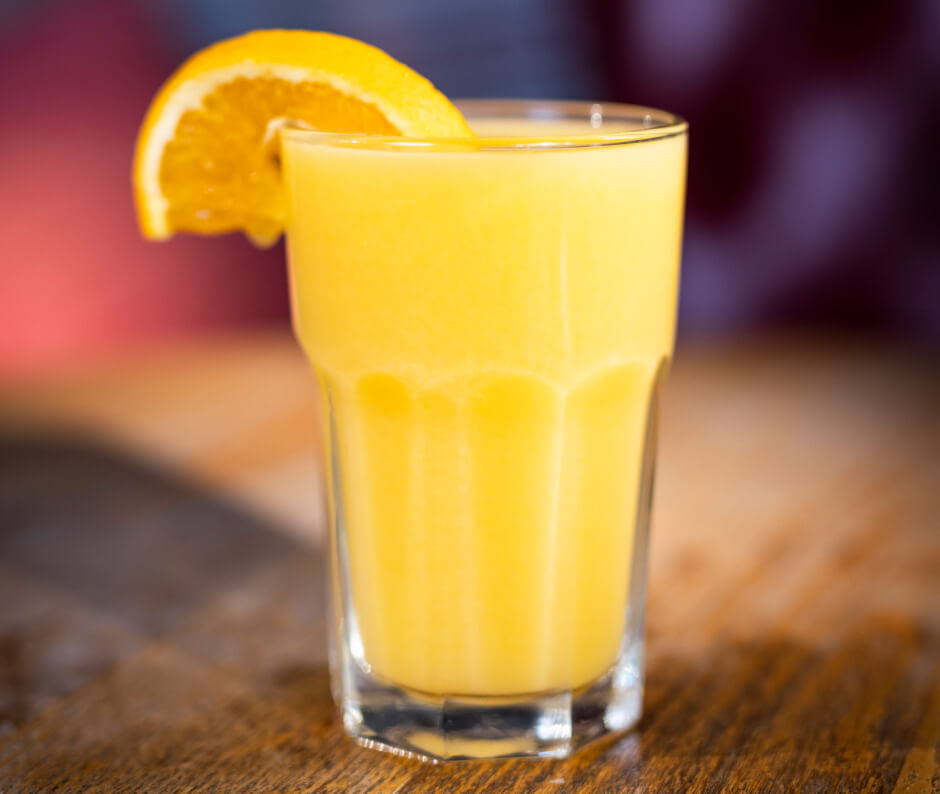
pixel 653 124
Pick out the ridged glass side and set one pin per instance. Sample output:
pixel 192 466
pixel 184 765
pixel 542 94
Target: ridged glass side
pixel 488 546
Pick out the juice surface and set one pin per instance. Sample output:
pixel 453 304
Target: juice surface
pixel 487 328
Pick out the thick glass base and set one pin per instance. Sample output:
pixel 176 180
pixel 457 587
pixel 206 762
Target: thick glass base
pixel 438 728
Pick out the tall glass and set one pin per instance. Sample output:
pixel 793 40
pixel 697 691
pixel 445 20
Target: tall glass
pixel 489 320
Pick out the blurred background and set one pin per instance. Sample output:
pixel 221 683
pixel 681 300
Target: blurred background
pixel 161 513
pixel 814 163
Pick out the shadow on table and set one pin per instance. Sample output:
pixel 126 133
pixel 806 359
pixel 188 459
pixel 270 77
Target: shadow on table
pixel 101 552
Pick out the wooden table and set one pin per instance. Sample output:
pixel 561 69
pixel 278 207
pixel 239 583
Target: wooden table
pixel 161 622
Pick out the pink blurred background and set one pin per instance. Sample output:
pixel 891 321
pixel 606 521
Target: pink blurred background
pixel 77 279
pixel 813 175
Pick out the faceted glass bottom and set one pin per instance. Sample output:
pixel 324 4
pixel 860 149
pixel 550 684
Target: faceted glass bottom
pixel 549 725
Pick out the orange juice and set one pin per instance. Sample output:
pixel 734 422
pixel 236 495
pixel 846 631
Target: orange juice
pixel 487 323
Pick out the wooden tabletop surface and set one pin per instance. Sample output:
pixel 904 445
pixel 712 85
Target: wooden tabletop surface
pixel 161 617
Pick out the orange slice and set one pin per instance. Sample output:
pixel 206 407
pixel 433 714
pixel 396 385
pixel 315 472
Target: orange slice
pixel 207 153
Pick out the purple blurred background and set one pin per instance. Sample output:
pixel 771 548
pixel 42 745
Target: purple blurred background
pixel 814 165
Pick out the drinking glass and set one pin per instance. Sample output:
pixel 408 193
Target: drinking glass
pixel 489 320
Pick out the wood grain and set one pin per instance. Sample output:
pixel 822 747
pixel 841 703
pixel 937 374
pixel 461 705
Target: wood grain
pixel 161 585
